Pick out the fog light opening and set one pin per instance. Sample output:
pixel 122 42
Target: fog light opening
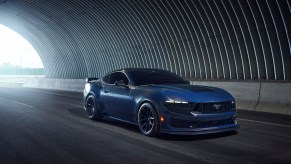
pixel 162 119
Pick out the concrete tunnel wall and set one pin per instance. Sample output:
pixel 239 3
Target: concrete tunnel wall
pixel 201 39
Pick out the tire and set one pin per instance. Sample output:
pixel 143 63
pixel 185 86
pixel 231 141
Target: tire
pixel 92 109
pixel 148 120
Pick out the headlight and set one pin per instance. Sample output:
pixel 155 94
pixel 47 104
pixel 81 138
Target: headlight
pixel 180 107
pixel 176 102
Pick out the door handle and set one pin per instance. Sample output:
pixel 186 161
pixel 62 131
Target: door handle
pixel 106 91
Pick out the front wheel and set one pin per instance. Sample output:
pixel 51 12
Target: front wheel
pixel 148 120
pixel 92 109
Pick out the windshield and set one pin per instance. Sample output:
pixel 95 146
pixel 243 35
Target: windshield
pixel 146 77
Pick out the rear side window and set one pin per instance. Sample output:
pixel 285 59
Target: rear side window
pixel 106 78
pixel 117 76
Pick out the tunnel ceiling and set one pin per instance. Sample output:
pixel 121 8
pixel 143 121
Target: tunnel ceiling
pixel 203 39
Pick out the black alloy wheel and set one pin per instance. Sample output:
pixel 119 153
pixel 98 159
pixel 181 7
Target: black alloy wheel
pixel 92 109
pixel 148 120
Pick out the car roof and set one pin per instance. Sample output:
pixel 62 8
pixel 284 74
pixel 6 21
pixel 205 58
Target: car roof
pixel 138 69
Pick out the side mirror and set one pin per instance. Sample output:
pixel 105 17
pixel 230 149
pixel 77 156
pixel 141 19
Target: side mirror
pixel 120 83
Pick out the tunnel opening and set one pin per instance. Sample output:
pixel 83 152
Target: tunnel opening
pixel 17 55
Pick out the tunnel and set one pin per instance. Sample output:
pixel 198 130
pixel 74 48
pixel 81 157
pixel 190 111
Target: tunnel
pixel 241 39
pixel 232 104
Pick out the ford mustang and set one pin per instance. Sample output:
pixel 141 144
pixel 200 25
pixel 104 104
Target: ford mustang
pixel 159 101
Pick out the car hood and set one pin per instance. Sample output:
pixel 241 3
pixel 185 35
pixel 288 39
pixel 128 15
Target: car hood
pixel 186 87
pixel 193 93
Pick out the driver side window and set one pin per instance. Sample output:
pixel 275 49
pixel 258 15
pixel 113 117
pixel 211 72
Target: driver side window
pixel 117 76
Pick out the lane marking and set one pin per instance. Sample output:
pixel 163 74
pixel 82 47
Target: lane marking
pixel 21 103
pixel 263 122
pixel 51 93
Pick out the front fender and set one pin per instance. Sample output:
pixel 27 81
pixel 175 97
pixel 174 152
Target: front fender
pixel 152 97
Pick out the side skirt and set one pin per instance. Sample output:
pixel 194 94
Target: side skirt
pixel 122 120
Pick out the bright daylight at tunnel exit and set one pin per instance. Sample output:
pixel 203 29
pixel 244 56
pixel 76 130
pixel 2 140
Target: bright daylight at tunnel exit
pixel 17 56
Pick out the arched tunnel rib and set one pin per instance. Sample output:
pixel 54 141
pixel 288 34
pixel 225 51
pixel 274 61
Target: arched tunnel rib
pixel 200 39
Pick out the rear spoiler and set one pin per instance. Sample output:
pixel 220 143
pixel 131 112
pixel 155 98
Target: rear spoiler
pixel 91 79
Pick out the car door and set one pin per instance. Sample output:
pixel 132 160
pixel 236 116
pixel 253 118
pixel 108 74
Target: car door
pixel 103 94
pixel 117 99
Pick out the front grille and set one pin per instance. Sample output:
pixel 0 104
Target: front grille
pixel 217 107
pixel 177 123
pixel 205 108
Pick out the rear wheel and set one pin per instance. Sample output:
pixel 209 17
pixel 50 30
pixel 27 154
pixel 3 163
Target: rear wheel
pixel 148 120
pixel 92 109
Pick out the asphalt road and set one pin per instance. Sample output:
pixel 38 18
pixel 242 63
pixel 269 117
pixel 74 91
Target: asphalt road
pixel 43 126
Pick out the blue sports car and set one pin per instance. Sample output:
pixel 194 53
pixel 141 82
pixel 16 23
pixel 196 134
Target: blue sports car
pixel 159 101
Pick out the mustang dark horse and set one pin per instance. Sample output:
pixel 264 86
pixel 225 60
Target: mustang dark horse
pixel 159 101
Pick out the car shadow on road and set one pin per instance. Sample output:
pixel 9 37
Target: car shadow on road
pixel 124 125
pixel 80 112
pixel 170 137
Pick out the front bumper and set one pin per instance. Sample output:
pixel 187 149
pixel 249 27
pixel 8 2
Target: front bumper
pixel 198 124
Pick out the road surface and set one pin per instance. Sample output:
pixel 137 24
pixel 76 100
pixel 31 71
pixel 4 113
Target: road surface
pixel 44 126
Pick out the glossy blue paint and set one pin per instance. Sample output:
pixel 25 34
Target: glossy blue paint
pixel 123 102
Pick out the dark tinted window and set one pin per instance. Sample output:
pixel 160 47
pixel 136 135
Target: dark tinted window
pixel 117 76
pixel 106 78
pixel 145 77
